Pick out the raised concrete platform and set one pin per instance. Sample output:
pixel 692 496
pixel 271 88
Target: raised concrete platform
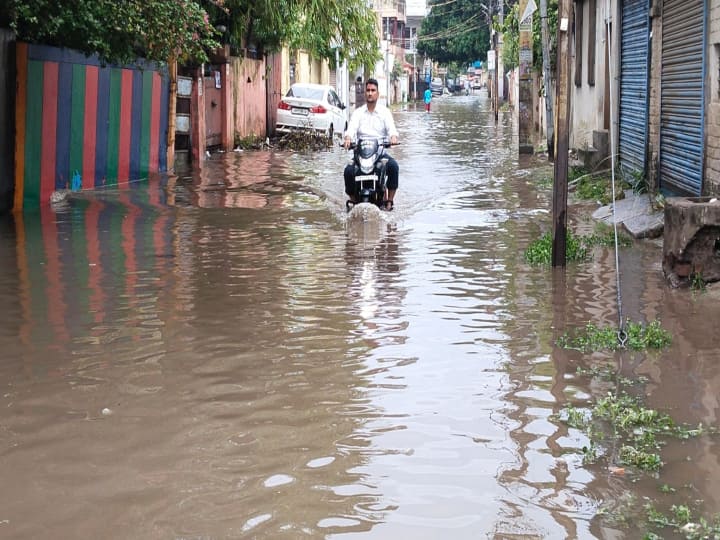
pixel 691 245
pixel 635 213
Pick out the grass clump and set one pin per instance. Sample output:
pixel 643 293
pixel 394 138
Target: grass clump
pixel 638 336
pixel 594 186
pixel 544 181
pixel 627 437
pixel 604 236
pixel 697 282
pixel 577 247
pixel 539 252
pixel 622 421
pixel 682 520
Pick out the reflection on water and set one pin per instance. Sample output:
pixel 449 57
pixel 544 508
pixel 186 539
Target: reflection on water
pixel 224 354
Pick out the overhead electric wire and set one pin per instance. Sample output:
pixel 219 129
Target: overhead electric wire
pixel 453 34
pixel 451 31
pixel 443 4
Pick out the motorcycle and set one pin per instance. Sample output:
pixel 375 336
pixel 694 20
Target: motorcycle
pixel 370 167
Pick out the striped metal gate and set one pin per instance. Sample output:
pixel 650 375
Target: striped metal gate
pixel 634 65
pixel 682 115
pixel 7 119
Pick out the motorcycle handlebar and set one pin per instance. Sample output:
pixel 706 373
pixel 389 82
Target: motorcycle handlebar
pixel 385 143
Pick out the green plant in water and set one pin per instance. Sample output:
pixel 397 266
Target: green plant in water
pixel 646 461
pixel 539 252
pixel 590 454
pixel 604 235
pixel 622 421
pixel 577 247
pixel 575 417
pixel 594 338
pixel 681 520
pixel 651 336
pixel 697 283
pixel 623 418
pixel 544 181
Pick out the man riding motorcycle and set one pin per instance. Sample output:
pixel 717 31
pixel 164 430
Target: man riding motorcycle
pixel 372 121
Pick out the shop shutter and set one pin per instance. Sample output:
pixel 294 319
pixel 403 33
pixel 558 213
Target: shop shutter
pixel 682 97
pixel 634 64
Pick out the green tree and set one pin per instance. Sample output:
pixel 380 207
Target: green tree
pixel 121 30
pixel 118 31
pixel 314 25
pixel 456 30
pixel 511 35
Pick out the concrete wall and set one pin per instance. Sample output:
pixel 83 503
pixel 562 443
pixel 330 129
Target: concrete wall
pixel 712 117
pixel 7 120
pixel 311 70
pixel 307 69
pixel 588 102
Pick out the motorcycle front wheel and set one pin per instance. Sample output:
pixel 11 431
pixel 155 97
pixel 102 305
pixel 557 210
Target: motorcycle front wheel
pixel 380 193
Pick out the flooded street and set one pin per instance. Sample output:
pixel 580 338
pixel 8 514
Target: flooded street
pixel 224 355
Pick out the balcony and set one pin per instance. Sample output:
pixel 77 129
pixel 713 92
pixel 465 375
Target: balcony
pixel 391 8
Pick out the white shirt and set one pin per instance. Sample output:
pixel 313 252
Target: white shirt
pixel 376 124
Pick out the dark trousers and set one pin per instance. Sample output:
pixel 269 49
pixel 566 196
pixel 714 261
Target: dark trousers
pixel 393 173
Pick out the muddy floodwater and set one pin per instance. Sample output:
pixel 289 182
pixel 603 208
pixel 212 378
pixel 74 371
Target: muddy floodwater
pixel 223 354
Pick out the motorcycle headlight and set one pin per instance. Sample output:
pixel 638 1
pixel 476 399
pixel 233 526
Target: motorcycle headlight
pixel 367 165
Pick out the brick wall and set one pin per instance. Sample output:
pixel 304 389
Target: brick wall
pixel 712 116
pixel 654 112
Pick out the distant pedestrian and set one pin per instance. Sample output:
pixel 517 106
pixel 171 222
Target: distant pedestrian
pixel 427 97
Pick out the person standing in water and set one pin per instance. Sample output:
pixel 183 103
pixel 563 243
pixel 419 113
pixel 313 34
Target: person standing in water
pixel 427 97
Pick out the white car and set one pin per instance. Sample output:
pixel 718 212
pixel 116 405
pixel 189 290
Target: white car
pixel 315 107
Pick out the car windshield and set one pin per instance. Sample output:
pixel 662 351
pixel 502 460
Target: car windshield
pixel 306 92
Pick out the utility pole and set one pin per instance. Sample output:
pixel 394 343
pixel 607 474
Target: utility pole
pixel 547 76
pixel 560 185
pixel 498 56
pixel 525 83
pixel 496 76
pixel 414 46
pixel 387 61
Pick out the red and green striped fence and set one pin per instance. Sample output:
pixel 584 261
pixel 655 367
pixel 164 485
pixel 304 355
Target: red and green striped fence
pixel 75 118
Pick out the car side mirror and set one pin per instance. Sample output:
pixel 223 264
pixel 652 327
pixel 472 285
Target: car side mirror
pixel 342 105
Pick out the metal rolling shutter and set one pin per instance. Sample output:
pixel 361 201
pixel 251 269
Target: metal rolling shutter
pixel 682 110
pixel 634 63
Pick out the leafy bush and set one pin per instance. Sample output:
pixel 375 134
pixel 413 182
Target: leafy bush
pixel 638 337
pixel 540 251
